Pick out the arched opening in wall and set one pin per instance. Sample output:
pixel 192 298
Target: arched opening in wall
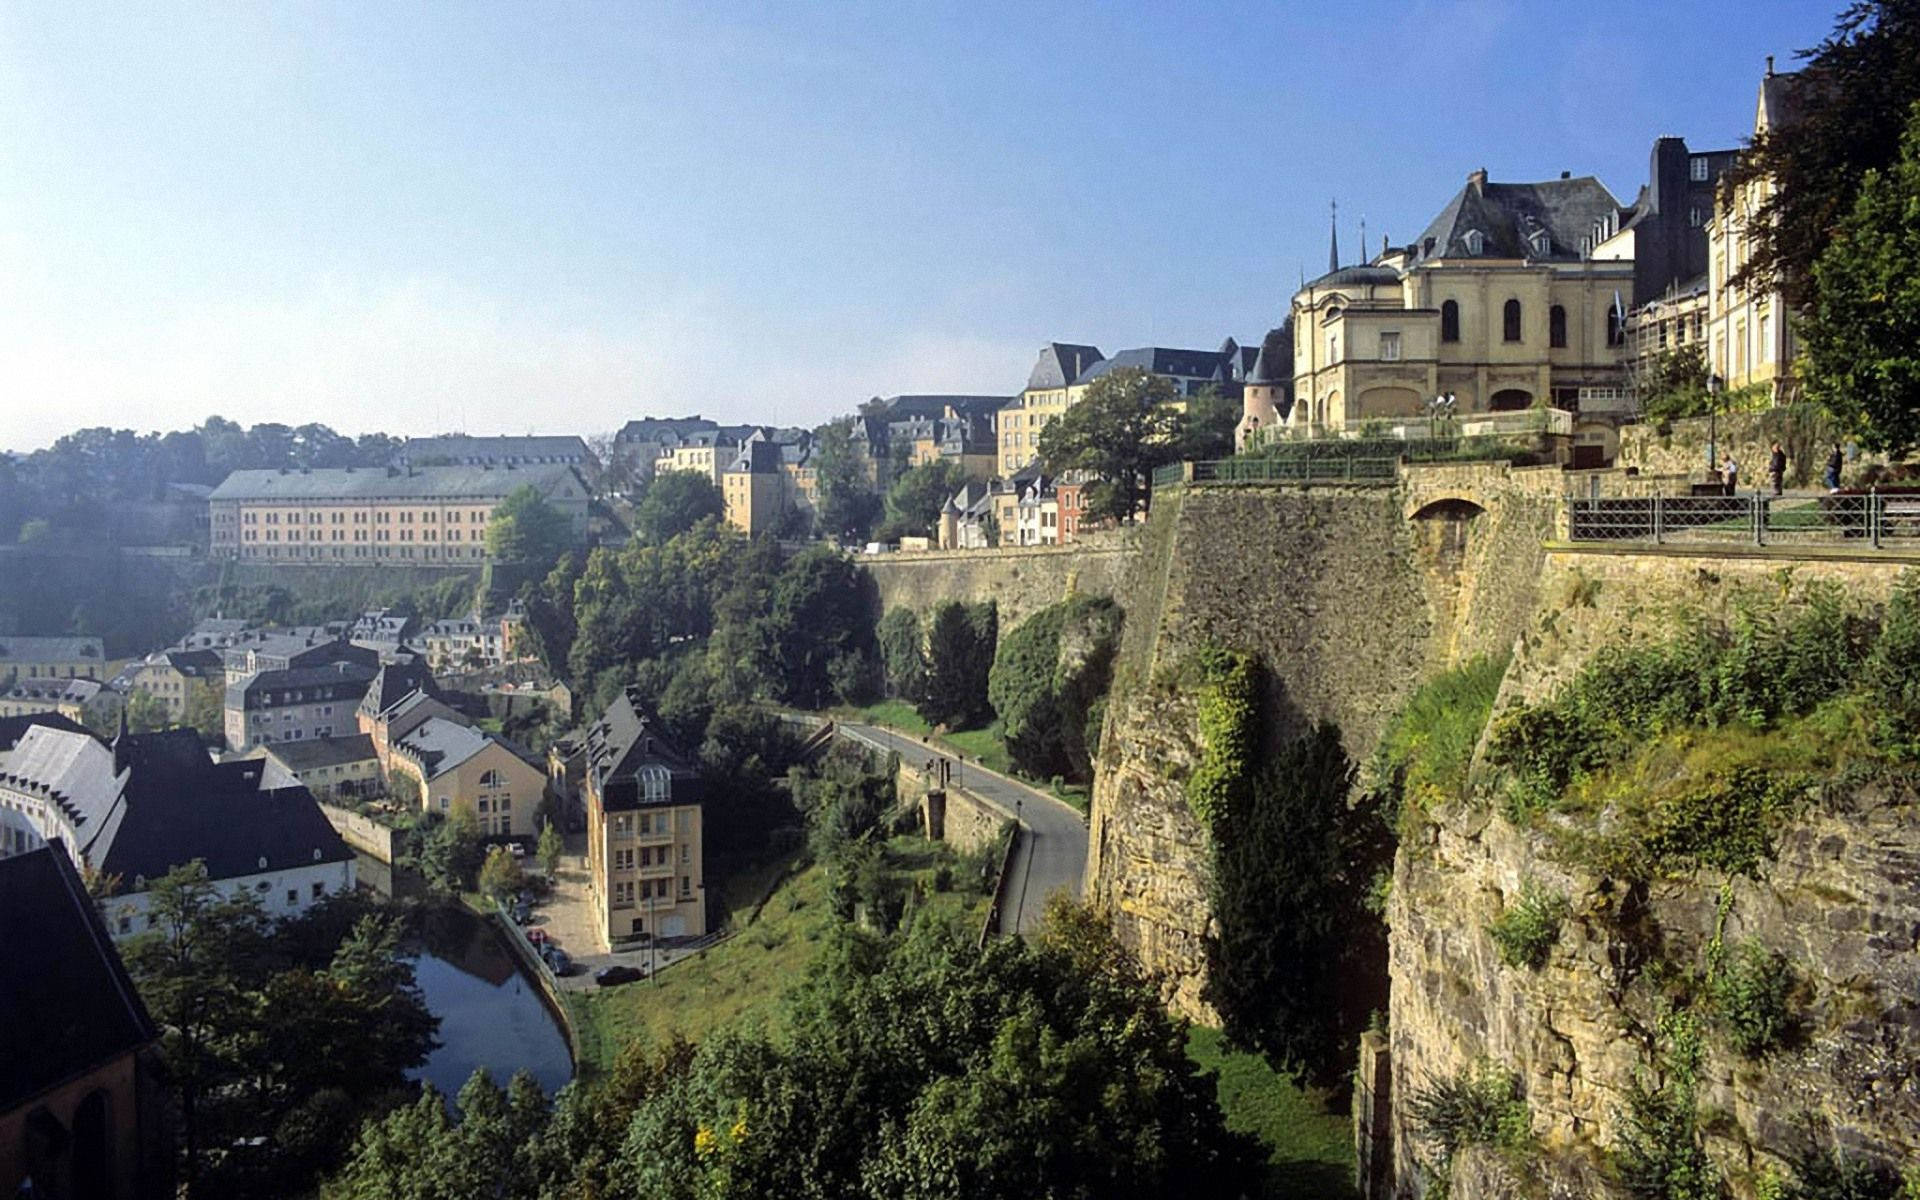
pixel 93 1148
pixel 1450 321
pixel 1511 400
pixel 1442 535
pixel 1510 321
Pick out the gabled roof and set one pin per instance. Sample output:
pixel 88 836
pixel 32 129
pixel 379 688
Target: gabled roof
pixel 626 738
pixel 396 680
pixel 12 729
pixel 309 753
pixel 460 449
pixel 1507 215
pixel 439 745
pixel 654 429
pixel 65 993
pixel 902 408
pixel 1061 363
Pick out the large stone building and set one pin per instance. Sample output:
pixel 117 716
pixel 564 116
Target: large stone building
pixel 645 842
pixel 176 678
pixel 52 658
pixel 1495 303
pixel 642 443
pixel 1750 339
pixel 137 806
pixel 429 516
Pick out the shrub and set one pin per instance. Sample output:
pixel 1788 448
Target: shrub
pixel 1526 931
pixel 1229 718
pixel 1748 989
pixel 1837 1175
pixel 1424 755
pixel 1659 1155
pixel 1725 821
pixel 1479 1106
pixel 1892 674
pixel 1544 749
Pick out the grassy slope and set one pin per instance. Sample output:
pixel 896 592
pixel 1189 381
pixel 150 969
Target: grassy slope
pixel 738 983
pixel 1309 1149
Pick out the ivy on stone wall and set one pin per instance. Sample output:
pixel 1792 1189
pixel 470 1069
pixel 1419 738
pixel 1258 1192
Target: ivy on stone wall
pixel 1229 720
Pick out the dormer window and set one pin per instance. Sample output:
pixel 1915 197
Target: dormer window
pixel 1541 243
pixel 1475 241
pixel 655 784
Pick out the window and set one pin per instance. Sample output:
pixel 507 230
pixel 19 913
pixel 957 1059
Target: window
pixel 1695 217
pixel 1450 321
pixel 293 897
pixel 492 779
pixel 686 854
pixel 1389 346
pixel 1476 241
pixel 1510 321
pixel 1697 169
pixel 1557 327
pixel 655 783
pixel 1616 328
pixel 686 885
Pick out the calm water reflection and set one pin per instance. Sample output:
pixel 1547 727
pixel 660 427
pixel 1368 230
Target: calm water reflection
pixel 490 1015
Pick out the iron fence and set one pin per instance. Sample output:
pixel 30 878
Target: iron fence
pixel 1271 470
pixel 1868 519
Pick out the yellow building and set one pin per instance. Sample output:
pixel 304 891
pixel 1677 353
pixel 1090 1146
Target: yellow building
pixel 334 768
pixel 1750 340
pixel 427 516
pixel 1050 391
pixel 176 677
pixel 1495 303
pixel 457 767
pixel 645 841
pixel 755 489
pixel 52 658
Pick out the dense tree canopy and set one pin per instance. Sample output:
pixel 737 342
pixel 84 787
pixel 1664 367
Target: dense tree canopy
pixel 848 506
pixel 1122 429
pixel 961 639
pixel 675 502
pixel 1850 106
pixel 526 529
pixel 1863 332
pixel 1048 686
pixel 917 495
pixel 917 1067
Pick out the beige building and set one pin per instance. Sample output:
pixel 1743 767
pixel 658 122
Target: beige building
pixel 52 658
pixel 337 768
pixel 645 841
pixel 1050 391
pixel 755 488
pixel 428 516
pixel 1750 340
pixel 458 767
pixel 1496 303
pixel 175 678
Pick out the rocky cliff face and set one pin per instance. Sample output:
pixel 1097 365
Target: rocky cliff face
pixel 1840 902
pixel 1346 601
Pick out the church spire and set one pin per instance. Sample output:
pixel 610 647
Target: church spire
pixel 1333 230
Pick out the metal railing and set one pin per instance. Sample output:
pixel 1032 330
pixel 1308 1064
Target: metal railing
pixel 1861 520
pixel 1278 470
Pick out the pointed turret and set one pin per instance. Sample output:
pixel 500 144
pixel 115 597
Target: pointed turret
pixel 1333 236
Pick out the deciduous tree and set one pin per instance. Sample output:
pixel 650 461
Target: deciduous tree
pixel 1122 429
pixel 675 502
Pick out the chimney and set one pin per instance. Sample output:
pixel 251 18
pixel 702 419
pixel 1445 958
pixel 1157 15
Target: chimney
pixel 1769 66
pixel 1566 174
pixel 1478 179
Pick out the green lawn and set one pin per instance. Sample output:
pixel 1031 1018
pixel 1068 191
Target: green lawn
pixel 739 983
pixel 1309 1149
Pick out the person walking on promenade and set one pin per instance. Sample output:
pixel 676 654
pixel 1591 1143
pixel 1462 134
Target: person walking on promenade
pixel 1777 468
pixel 1834 462
pixel 1730 474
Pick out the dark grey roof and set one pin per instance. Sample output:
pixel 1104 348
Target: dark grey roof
pixel 1061 363
pixel 626 738
pixel 901 408
pixel 459 449
pixel 756 458
pixel 12 729
pixel 1356 276
pixel 323 752
pixel 196 663
pixel 658 429
pixel 1507 214
pixel 1163 360
pixel 344 681
pixel 439 745
pixel 422 483
pixel 64 995
pixel 397 680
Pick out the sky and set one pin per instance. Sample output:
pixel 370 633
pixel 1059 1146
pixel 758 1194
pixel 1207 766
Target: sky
pixel 556 217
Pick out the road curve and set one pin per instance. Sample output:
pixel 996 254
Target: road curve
pixel 1052 853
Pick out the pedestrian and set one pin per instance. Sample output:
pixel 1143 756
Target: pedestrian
pixel 1777 468
pixel 1730 474
pixel 1834 462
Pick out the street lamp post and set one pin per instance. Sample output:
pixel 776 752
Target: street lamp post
pixel 1713 424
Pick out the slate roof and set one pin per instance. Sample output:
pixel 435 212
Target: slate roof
pixel 1506 214
pixel 1061 363
pixel 150 802
pixel 196 664
pixel 55 691
pixel 50 649
pixel 903 408
pixel 657 429
pixel 474 451
pixel 12 729
pixel 627 737
pixel 422 483
pixel 1164 360
pixel 756 458
pixel 345 681
pixel 439 744
pixel 309 753
pixel 1356 276
pixel 68 1000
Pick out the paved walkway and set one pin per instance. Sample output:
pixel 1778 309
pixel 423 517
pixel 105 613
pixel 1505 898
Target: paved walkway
pixel 1052 854
pixel 567 918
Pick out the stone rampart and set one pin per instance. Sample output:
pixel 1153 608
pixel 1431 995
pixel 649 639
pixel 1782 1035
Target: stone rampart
pixel 362 833
pixel 1021 580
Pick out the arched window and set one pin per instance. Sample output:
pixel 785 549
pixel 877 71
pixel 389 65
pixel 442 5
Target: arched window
pixel 1450 321
pixel 655 784
pixel 1510 321
pixel 1557 327
pixel 1616 327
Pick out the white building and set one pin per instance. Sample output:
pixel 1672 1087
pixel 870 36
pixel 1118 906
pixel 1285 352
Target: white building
pixel 132 809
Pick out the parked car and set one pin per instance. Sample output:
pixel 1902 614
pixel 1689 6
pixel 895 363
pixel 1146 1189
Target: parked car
pixel 616 975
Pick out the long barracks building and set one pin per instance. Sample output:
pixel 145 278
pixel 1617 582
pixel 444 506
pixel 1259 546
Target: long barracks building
pixel 428 516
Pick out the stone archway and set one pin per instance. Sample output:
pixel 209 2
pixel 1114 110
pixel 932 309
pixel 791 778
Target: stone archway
pixel 1510 400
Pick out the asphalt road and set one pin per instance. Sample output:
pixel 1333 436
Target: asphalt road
pixel 1052 853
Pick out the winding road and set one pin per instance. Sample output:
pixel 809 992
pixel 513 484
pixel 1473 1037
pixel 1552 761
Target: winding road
pixel 1052 850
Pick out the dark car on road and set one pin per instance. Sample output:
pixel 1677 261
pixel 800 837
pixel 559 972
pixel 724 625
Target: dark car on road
pixel 616 975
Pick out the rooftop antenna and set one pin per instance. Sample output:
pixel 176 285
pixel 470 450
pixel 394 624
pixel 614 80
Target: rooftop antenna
pixel 1333 232
pixel 1363 236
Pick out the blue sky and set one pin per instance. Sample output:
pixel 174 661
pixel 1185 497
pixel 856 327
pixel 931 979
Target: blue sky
pixel 555 217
